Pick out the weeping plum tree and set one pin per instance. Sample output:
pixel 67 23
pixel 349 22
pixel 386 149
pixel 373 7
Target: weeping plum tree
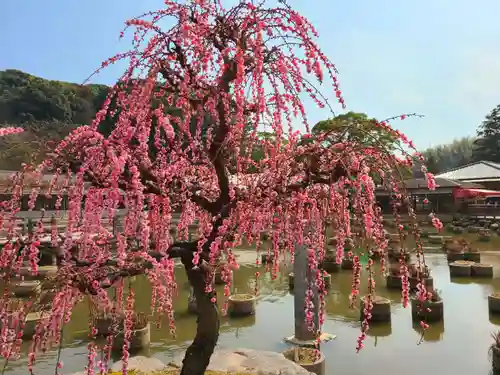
pixel 230 72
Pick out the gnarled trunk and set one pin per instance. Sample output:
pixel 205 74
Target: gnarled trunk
pixel 198 354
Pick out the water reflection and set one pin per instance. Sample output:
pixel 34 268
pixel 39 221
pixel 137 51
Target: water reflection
pixel 494 319
pixel 434 333
pixel 467 334
pixel 468 280
pixel 380 330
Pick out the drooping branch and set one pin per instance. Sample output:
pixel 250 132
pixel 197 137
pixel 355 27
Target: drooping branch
pixel 86 274
pixel 108 272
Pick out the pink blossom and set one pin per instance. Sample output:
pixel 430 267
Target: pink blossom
pixel 11 130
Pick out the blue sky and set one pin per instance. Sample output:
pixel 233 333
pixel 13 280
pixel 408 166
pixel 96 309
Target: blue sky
pixel 439 58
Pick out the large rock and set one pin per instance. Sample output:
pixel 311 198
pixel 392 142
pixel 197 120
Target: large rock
pixel 144 364
pixel 250 361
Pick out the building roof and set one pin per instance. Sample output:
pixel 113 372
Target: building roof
pixel 481 171
pixel 418 185
pixel 443 183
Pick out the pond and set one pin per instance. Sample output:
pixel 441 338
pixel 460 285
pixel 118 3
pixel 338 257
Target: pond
pixel 459 345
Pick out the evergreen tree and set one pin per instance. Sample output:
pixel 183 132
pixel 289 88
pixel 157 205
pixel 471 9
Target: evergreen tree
pixel 356 127
pixel 487 145
pixel 432 165
pixel 448 156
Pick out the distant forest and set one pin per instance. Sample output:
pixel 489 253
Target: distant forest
pixel 452 155
pixel 47 110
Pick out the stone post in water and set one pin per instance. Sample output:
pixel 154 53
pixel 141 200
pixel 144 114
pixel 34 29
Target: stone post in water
pixel 114 223
pixel 303 277
pixel 30 228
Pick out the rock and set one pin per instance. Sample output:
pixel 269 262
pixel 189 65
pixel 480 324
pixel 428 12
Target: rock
pixel 144 364
pixel 450 227
pixel 250 362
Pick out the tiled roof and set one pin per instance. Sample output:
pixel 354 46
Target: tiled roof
pixel 443 183
pixel 421 183
pixel 481 170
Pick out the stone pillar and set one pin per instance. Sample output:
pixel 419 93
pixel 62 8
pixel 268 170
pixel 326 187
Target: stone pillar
pixel 30 228
pixel 303 277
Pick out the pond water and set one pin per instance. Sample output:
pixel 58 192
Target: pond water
pixel 459 345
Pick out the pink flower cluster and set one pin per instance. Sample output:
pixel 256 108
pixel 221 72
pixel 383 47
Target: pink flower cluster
pixel 10 131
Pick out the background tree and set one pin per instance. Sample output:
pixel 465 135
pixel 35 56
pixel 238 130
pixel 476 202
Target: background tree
pixel 29 99
pixel 433 166
pixel 224 70
pixel 487 144
pixel 357 128
pixel 447 156
pixel 46 110
pixel 33 145
pixel 17 150
pixel 49 110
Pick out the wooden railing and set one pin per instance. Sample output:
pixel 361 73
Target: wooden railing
pixel 31 219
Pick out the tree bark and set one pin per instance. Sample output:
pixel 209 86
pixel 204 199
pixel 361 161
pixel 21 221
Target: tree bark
pixel 197 357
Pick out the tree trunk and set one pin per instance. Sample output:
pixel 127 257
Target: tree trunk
pixel 198 354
